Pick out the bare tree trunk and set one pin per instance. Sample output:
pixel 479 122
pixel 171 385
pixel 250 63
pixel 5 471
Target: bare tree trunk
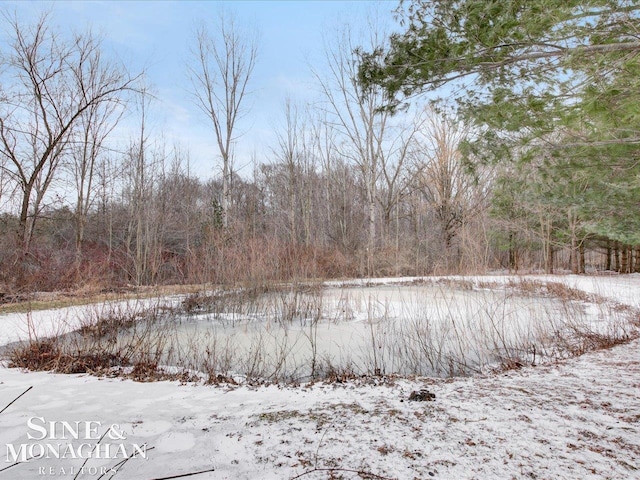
pixel 371 244
pixel 107 176
pixel 549 260
pixel 513 256
pixel 573 256
pixel 624 259
pixel 547 231
pixel 142 242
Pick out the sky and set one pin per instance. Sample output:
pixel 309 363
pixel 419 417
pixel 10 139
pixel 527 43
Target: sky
pixel 157 36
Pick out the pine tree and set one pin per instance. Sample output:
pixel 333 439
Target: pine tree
pixel 549 83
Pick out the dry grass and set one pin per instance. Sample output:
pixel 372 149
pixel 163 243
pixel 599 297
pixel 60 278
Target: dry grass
pixel 137 342
pixel 46 301
pixel 50 355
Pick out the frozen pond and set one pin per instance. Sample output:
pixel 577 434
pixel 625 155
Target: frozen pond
pixel 297 334
pixel 427 330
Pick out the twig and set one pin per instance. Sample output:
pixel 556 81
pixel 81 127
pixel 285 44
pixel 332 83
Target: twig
pixel 116 468
pixel 185 474
pixel 361 473
pixel 94 449
pixel 7 406
pixel 15 400
pixel 315 462
pixel 16 463
pixel 9 466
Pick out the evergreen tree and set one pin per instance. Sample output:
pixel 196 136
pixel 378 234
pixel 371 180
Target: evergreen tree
pixel 552 83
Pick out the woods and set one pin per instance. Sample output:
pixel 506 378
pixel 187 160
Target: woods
pixel 484 136
pixel 550 91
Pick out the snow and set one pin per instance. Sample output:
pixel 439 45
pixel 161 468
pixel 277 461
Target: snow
pixel 43 323
pixel 577 419
pixel 624 289
pixel 385 319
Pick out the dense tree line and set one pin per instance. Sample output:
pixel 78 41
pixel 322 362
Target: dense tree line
pixel 535 166
pixel 550 89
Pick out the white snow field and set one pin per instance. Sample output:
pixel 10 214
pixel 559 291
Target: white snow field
pixel 575 419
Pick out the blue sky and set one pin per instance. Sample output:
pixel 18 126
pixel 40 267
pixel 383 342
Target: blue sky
pixel 157 36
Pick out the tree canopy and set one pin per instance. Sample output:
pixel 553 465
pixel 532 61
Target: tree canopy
pixel 553 80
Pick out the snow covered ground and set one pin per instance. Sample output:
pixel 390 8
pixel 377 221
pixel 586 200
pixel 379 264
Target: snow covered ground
pixel 576 419
pixel 43 323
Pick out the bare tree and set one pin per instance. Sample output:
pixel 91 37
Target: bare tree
pixel 50 83
pixel 396 177
pixel 451 192
pixel 323 144
pixel 356 113
pixel 106 191
pixel 141 174
pixel 296 154
pixel 95 125
pixel 288 153
pixel 222 67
